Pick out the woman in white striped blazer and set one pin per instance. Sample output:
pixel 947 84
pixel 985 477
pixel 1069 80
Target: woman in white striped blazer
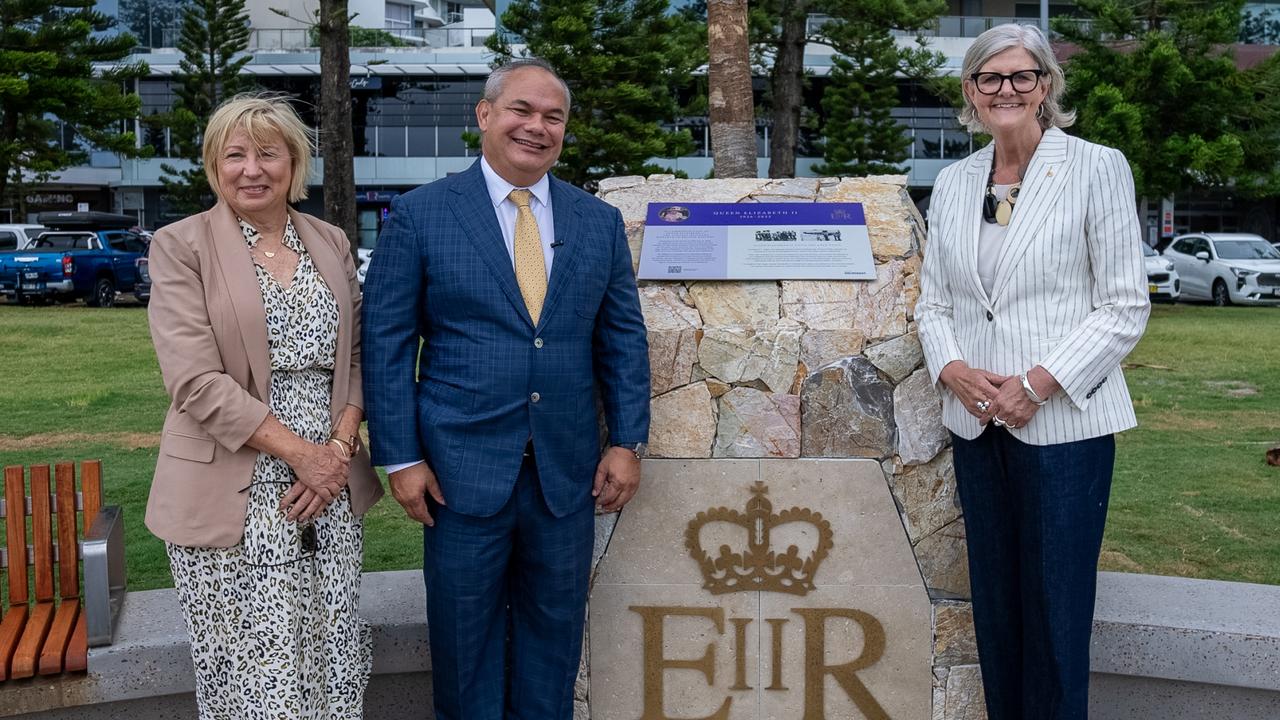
pixel 1033 291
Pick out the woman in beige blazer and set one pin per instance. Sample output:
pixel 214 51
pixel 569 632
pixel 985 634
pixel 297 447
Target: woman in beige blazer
pixel 261 480
pixel 1032 293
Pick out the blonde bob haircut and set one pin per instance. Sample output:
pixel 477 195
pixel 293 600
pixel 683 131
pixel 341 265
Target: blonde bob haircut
pixel 262 117
pixel 1029 37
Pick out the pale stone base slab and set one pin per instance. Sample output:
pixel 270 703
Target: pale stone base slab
pixel 851 638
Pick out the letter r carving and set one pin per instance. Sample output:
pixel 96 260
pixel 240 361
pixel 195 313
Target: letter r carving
pixel 846 675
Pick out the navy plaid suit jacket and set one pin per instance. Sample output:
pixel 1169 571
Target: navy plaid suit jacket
pixel 441 273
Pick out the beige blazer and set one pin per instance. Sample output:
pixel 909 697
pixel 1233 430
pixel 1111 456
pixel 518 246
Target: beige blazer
pixel 1070 292
pixel 210 332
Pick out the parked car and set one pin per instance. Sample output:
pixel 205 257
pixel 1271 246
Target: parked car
pixel 1227 268
pixel 67 264
pixel 18 237
pixel 142 289
pixel 1163 282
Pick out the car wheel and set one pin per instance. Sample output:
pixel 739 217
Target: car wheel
pixel 103 295
pixel 1221 297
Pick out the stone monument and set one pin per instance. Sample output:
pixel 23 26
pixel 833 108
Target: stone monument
pixel 797 548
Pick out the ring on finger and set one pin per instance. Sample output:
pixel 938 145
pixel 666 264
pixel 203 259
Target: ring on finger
pixel 998 422
pixel 983 405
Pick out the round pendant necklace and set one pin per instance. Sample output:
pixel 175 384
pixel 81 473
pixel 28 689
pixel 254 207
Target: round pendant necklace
pixel 1000 210
pixel 271 254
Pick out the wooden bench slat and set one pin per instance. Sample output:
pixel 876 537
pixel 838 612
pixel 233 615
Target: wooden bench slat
pixel 15 494
pixel 68 537
pixel 91 490
pixel 77 657
pixel 33 636
pixel 50 637
pixel 55 645
pixel 42 532
pixel 10 631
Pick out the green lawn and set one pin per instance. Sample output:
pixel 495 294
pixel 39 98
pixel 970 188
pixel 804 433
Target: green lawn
pixel 81 383
pixel 1192 494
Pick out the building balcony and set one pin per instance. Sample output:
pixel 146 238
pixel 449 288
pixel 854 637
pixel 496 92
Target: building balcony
pixel 947 26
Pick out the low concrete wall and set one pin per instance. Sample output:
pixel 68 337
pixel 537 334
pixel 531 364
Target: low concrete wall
pixel 147 672
pixel 1175 648
pixel 1168 648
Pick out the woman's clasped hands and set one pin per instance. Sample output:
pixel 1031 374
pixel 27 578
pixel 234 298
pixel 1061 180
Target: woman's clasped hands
pixel 994 398
pixel 322 472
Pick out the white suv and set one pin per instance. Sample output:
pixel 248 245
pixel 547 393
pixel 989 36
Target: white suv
pixel 18 237
pixel 1227 268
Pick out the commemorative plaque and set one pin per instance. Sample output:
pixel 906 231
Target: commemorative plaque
pixel 756 241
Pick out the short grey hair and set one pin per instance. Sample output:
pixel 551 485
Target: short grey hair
pixel 498 76
pixel 1029 37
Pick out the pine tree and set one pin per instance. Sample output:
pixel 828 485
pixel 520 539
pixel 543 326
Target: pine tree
pixel 861 135
pixel 1158 81
pixel 49 92
pixel 215 35
pixel 624 61
pixel 861 90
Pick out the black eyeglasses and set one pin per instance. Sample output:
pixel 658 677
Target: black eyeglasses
pixel 1023 81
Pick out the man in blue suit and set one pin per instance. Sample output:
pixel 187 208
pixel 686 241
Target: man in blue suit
pixel 520 290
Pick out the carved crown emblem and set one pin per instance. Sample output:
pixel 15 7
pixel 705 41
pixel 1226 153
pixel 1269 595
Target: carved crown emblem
pixel 746 560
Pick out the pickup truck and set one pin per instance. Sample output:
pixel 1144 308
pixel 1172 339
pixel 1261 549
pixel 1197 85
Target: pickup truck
pixel 65 265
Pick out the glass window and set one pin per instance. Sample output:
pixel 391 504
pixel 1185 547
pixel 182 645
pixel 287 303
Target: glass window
pixel 8 241
pixel 1246 250
pixel 955 143
pixel 422 141
pixel 451 144
pixel 399 16
pixel 1183 246
pixel 391 141
pixel 131 243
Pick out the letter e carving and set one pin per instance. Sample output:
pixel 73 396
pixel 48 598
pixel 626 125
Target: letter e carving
pixel 656 664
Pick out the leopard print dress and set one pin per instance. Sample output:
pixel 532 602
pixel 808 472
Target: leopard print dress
pixel 275 633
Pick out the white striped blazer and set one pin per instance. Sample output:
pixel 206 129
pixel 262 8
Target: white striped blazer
pixel 1069 294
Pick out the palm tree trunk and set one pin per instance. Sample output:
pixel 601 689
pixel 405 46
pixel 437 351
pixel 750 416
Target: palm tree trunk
pixel 733 127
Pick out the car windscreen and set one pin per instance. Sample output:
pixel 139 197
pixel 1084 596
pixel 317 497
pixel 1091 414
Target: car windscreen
pixel 1246 250
pixel 63 241
pixel 1149 251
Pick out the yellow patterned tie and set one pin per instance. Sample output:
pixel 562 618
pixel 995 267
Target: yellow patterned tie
pixel 531 266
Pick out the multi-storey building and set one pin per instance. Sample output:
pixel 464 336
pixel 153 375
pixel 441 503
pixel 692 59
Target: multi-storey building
pixel 413 103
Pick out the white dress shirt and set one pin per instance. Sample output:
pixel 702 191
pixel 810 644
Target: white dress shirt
pixel 539 204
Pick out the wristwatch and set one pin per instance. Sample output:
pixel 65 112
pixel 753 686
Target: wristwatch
pixel 639 449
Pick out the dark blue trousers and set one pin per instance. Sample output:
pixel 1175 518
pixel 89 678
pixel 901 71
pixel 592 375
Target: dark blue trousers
pixel 506 598
pixel 1033 518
